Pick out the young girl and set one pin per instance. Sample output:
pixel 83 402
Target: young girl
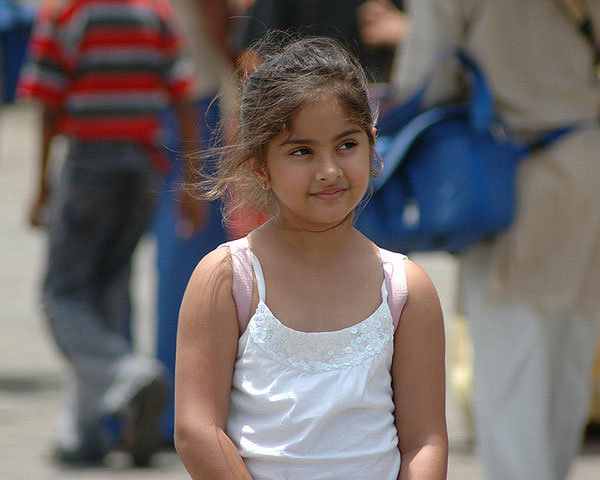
pixel 305 351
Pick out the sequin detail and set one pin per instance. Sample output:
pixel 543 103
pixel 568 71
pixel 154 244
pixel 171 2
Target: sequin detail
pixel 322 351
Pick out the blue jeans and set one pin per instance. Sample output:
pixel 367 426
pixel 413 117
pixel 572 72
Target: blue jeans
pixel 102 206
pixel 177 257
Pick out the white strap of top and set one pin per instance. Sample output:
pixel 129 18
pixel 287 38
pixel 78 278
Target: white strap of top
pixel 260 279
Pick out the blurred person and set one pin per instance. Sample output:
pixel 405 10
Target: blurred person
pixel 103 72
pixel 382 24
pixel 337 19
pixel 205 25
pixel 532 295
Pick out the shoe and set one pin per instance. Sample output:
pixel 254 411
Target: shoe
pixel 80 458
pixel 142 434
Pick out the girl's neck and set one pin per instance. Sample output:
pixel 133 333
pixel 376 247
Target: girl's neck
pixel 310 243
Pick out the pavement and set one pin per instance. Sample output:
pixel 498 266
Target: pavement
pixel 31 368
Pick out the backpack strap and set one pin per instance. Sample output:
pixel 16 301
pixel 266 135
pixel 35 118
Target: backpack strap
pixel 243 279
pixel 395 279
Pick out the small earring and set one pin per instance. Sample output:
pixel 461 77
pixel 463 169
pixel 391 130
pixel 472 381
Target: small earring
pixel 263 185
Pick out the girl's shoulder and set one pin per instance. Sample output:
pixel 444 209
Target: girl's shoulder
pixel 410 287
pixel 423 301
pixel 232 263
pixel 223 258
pixel 405 272
pixel 214 268
pixel 417 278
pixel 207 303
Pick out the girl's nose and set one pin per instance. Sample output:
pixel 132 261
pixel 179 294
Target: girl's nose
pixel 329 169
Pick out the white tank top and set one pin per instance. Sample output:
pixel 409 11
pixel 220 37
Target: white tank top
pixel 315 405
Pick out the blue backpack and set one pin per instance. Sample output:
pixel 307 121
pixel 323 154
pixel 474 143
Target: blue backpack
pixel 449 177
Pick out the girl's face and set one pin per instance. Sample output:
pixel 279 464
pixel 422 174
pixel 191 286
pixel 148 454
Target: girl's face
pixel 319 170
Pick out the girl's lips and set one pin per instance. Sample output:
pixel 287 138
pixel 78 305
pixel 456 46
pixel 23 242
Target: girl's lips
pixel 330 194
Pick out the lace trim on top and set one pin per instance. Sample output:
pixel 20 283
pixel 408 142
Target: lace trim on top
pixel 320 351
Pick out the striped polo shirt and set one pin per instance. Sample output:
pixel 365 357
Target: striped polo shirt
pixel 109 66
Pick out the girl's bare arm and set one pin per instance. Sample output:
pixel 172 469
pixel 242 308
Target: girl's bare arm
pixel 418 373
pixel 206 349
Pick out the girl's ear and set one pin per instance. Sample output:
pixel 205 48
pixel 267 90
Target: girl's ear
pixel 260 172
pixel 374 132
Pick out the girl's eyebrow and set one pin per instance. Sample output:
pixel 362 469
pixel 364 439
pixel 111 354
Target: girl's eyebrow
pixel 298 141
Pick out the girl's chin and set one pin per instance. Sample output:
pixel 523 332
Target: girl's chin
pixel 315 224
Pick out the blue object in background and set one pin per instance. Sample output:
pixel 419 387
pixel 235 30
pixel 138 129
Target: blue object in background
pixel 16 21
pixel 177 257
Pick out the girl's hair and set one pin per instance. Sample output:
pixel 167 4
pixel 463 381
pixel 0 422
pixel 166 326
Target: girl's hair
pixel 290 74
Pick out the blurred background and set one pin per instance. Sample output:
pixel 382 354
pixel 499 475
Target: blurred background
pixel 30 365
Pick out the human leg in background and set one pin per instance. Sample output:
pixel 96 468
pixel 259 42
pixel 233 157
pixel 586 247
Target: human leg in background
pixel 100 210
pixel 177 257
pixel 531 381
pixel 572 372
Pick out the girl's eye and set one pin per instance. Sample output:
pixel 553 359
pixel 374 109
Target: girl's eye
pixel 301 151
pixel 347 145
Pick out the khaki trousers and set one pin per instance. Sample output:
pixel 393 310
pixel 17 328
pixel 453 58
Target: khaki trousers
pixel 532 380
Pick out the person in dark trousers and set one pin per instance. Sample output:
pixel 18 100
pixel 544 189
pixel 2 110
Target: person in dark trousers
pixel 104 71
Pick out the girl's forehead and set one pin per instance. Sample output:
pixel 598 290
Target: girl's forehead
pixel 325 111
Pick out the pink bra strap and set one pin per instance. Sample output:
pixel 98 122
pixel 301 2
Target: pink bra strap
pixel 395 279
pixel 243 279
